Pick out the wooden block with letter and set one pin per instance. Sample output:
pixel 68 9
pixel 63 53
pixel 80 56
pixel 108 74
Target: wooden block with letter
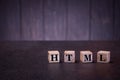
pixel 69 56
pixel 86 56
pixel 103 56
pixel 53 56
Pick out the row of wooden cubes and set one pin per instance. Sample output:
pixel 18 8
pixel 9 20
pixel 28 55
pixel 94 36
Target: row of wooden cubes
pixel 85 56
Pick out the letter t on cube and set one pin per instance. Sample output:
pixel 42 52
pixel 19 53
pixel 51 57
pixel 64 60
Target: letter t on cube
pixel 53 56
pixel 69 56
pixel 86 56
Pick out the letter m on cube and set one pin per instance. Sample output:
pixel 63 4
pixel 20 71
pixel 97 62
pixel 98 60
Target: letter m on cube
pixel 53 56
pixel 86 56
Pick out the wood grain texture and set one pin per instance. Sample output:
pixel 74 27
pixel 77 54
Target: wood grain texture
pixel 2 19
pixel 117 20
pixel 28 60
pixel 32 19
pixel 59 20
pixel 78 20
pixel 55 19
pixel 9 20
pixel 102 20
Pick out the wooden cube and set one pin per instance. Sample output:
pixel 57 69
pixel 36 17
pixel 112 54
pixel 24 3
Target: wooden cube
pixel 53 56
pixel 103 56
pixel 86 56
pixel 69 56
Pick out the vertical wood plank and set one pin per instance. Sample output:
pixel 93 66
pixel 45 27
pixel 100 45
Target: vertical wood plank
pixel 78 20
pixel 117 20
pixel 55 19
pixel 102 20
pixel 32 19
pixel 9 20
pixel 2 19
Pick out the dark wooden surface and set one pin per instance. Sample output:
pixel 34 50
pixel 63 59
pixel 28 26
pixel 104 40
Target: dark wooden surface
pixel 27 60
pixel 59 19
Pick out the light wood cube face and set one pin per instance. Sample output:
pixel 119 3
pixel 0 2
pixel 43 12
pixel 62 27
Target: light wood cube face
pixel 103 56
pixel 53 56
pixel 69 56
pixel 86 56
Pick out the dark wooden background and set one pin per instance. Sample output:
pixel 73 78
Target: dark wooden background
pixel 59 19
pixel 28 60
